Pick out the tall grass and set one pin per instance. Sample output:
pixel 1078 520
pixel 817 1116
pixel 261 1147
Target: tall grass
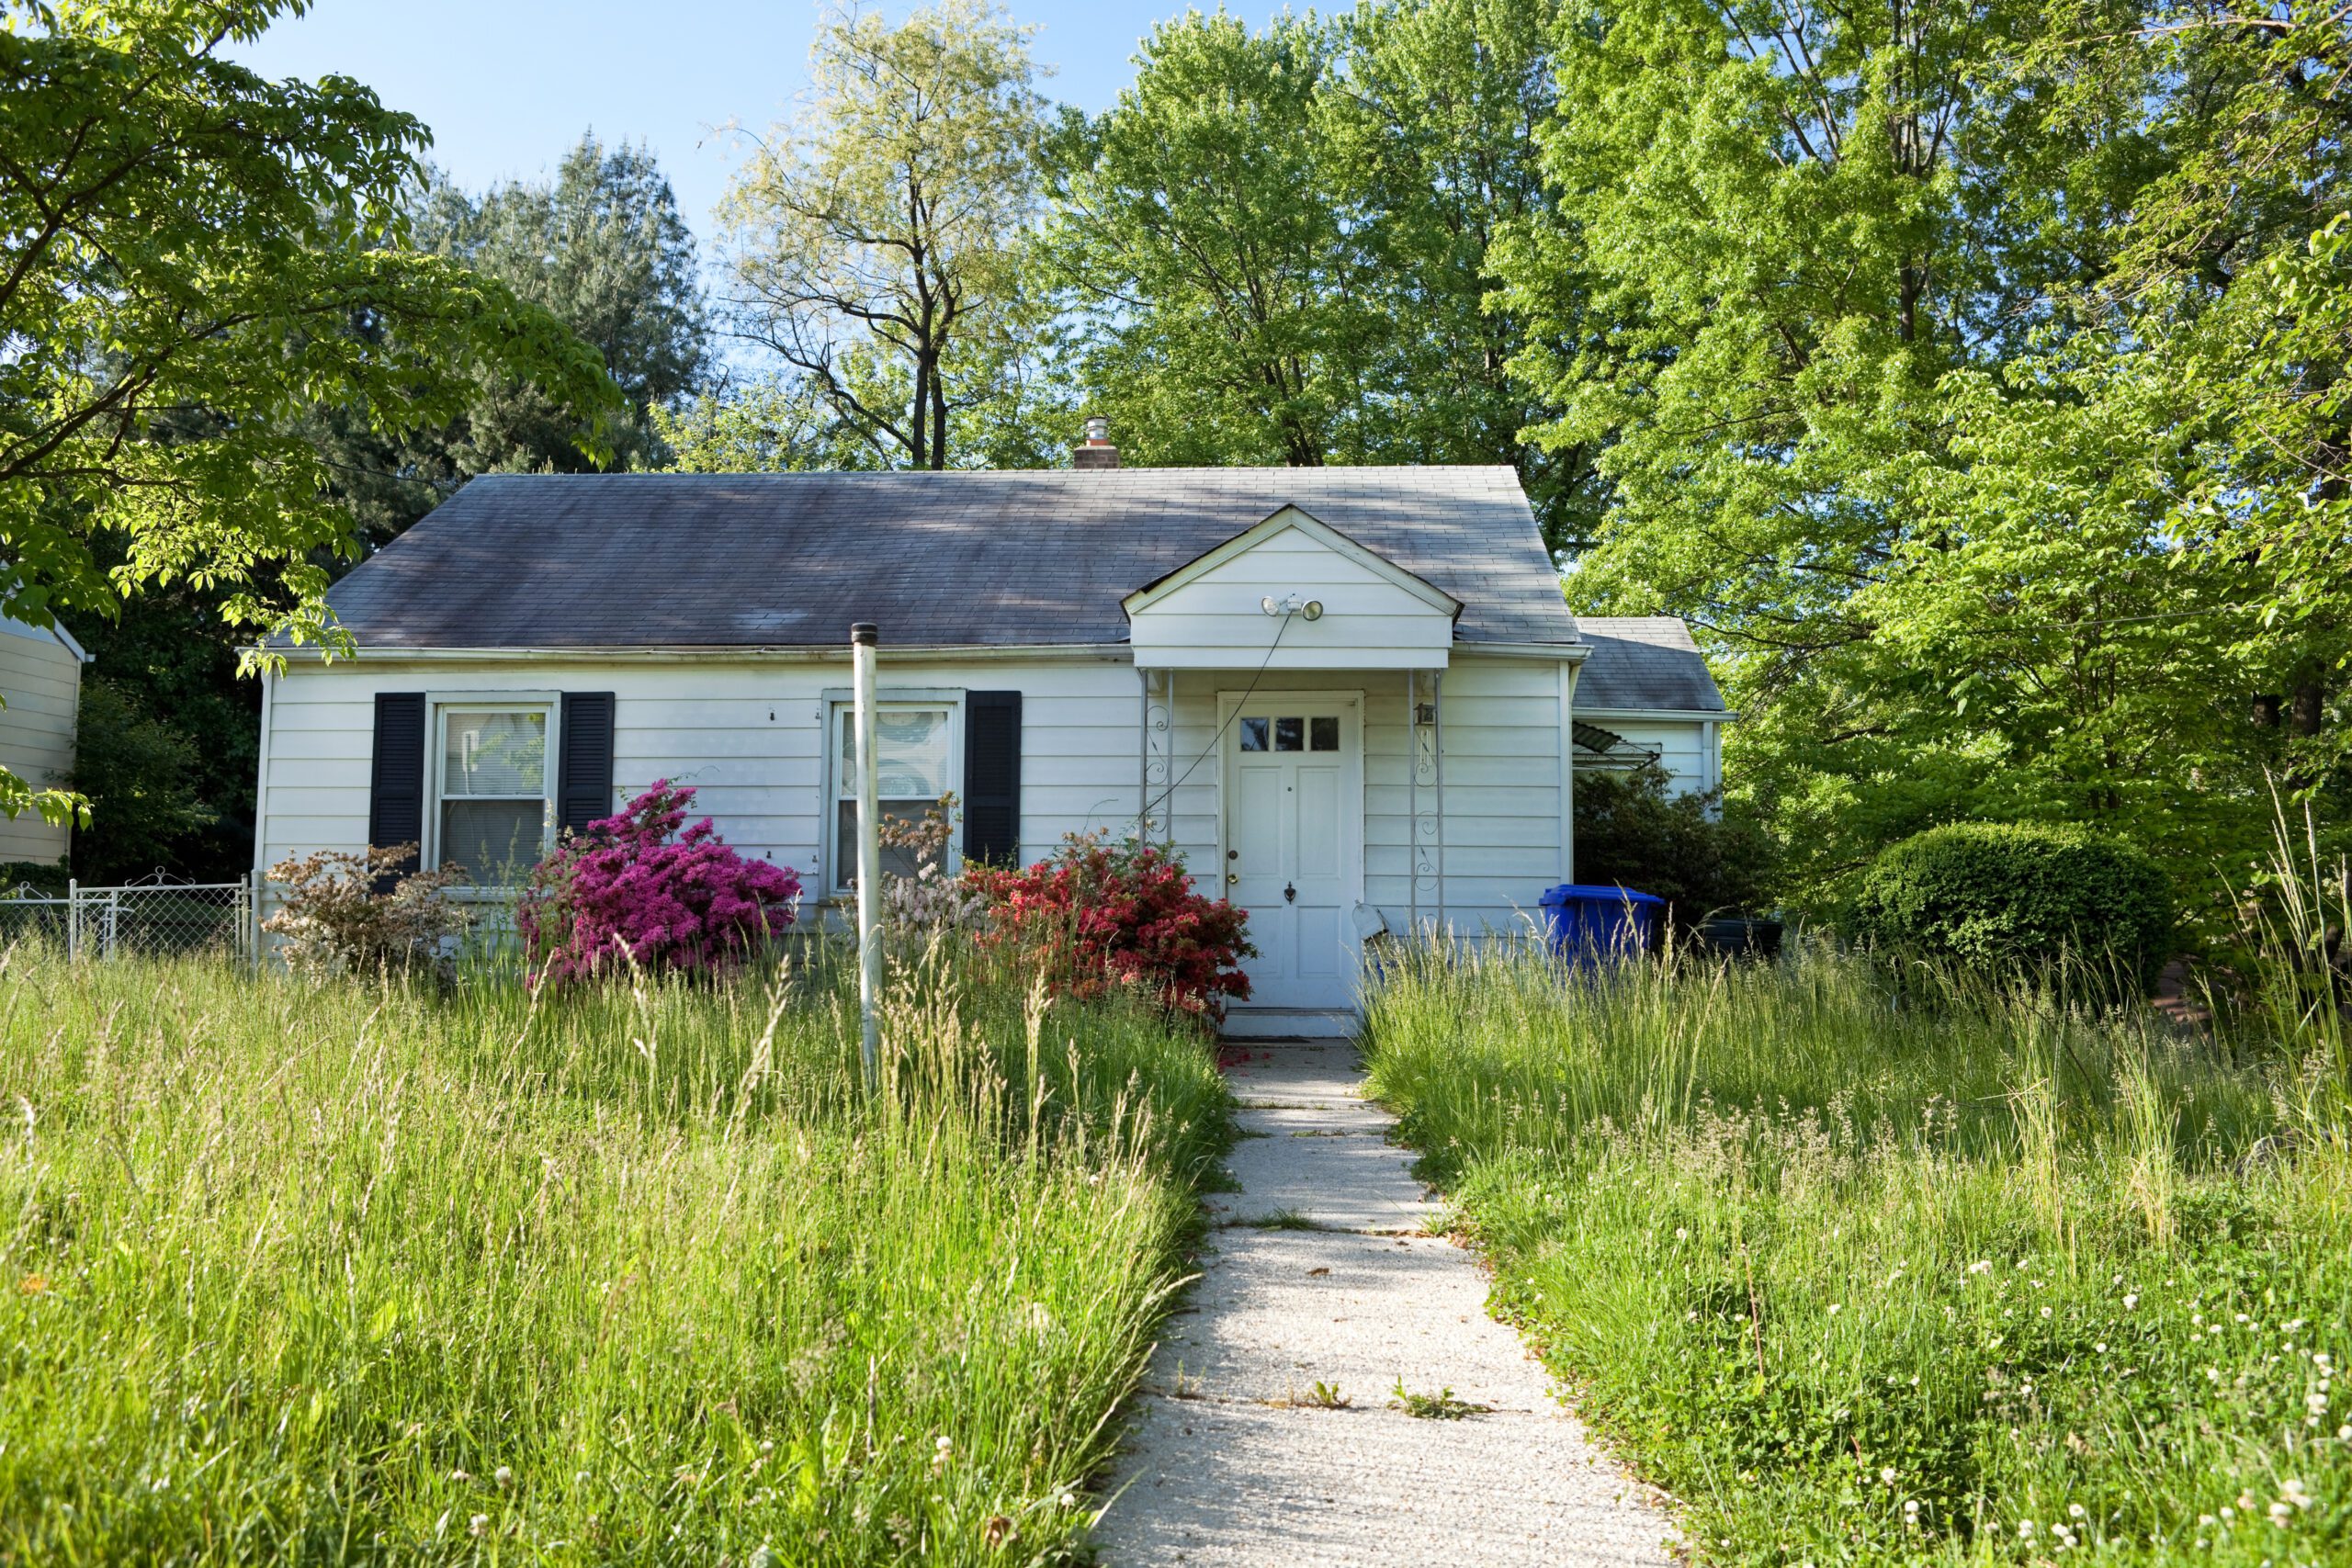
pixel 1868 1264
pixel 353 1273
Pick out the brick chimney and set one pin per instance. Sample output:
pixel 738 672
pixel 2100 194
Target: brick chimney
pixel 1095 451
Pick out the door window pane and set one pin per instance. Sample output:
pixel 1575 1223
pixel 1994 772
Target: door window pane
pixel 1253 734
pixel 1290 735
pixel 1323 734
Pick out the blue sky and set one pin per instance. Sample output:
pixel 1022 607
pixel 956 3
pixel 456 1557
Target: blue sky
pixel 507 85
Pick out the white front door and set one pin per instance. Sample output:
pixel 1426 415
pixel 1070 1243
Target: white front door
pixel 1294 842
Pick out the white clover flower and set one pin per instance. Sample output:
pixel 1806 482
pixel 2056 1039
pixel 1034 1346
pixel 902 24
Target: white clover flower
pixel 2025 1530
pixel 2076 1510
pixel 2344 1433
pixel 1887 1476
pixel 2130 1302
pixel 2281 1513
pixel 2045 1312
pixel 2315 1402
pixel 2100 1347
pixel 479 1524
pixel 504 1476
pixel 1911 1507
pixel 1980 1267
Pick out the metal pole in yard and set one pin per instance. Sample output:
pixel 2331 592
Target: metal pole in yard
pixel 72 919
pixel 1413 803
pixel 1437 744
pixel 863 638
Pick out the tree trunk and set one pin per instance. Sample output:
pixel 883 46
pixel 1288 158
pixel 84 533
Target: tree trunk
pixel 2309 706
pixel 2266 711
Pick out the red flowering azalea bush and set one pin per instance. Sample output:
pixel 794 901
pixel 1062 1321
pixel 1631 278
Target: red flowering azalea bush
pixel 1094 915
pixel 675 897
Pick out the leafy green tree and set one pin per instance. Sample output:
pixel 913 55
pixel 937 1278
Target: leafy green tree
pixel 876 240
pixel 188 246
pixel 1933 350
pixel 1433 125
pixel 1202 232
pixel 141 777
pixel 603 249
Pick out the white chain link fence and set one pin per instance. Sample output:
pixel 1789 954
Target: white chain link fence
pixel 154 918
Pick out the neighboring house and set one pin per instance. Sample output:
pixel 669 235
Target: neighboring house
pixel 40 677
pixel 1346 695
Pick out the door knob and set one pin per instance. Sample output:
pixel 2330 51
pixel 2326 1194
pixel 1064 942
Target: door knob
pixel 1290 894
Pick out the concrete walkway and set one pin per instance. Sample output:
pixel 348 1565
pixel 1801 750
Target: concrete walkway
pixel 1235 1461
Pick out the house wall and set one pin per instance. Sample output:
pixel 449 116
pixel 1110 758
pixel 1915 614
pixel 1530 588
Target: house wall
pixel 748 736
pixel 1504 832
pixel 41 679
pixel 1217 619
pixel 1690 750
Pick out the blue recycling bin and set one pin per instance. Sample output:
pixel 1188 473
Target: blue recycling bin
pixel 1588 920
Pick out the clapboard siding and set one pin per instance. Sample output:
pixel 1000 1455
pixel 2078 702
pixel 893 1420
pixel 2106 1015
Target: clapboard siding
pixel 749 738
pixel 41 679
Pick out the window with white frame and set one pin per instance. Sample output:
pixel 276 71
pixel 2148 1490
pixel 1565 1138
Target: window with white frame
pixel 913 749
pixel 491 810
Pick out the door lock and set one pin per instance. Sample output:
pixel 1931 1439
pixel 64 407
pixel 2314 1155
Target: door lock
pixel 1231 877
pixel 1290 894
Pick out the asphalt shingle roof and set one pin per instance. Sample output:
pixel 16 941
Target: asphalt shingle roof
pixel 938 560
pixel 1644 663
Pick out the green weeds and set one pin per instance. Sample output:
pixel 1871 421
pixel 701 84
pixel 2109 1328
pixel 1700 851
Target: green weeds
pixel 1878 1268
pixel 346 1273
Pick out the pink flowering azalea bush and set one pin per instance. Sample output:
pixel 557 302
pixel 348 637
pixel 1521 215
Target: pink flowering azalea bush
pixel 674 897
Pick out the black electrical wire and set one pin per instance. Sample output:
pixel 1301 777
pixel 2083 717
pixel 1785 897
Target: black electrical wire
pixel 1143 821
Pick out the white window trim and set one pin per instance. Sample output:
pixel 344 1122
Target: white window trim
pixel 439 704
pixel 840 860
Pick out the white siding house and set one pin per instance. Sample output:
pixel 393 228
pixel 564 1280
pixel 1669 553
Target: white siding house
pixel 1347 697
pixel 41 678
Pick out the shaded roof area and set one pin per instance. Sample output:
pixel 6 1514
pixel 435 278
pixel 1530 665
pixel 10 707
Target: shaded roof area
pixel 934 560
pixel 1644 661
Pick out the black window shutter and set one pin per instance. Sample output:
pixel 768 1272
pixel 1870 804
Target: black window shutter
pixel 396 785
pixel 584 793
pixel 992 776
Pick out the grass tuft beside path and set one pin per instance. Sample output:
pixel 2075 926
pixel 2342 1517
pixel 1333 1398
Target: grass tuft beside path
pixel 345 1274
pixel 1865 1274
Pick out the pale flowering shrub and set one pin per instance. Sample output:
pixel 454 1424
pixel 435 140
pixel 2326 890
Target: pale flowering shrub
pixel 337 917
pixel 642 887
pixel 928 899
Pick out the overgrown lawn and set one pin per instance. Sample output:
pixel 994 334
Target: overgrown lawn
pixel 1870 1273
pixel 346 1274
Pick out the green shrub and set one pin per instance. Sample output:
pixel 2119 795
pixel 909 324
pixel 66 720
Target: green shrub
pixel 1629 831
pixel 2017 896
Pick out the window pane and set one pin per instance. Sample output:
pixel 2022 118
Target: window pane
pixel 1323 734
pixel 495 754
pixel 895 863
pixel 1290 735
pixel 1253 734
pixel 911 746
pixel 495 841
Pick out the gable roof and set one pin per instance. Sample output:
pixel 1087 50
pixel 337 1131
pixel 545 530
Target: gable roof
pixel 935 560
pixel 1290 519
pixel 1644 663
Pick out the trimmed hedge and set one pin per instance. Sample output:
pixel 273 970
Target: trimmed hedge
pixel 2018 896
